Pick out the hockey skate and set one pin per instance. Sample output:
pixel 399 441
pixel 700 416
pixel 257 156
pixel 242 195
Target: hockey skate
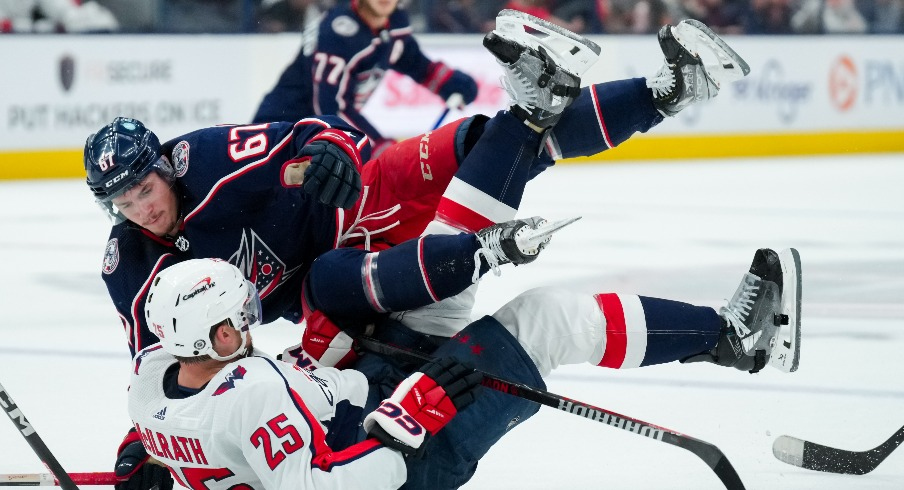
pixel 543 65
pixel 762 320
pixel 517 242
pixel 684 78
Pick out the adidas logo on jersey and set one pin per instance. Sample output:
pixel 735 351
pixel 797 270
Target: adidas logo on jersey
pixel 161 414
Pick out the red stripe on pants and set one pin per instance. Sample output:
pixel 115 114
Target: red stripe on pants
pixel 616 335
pixel 461 217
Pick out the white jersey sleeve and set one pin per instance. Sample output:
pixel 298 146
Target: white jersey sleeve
pixel 258 424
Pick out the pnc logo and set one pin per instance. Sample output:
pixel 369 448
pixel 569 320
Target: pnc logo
pixel 843 83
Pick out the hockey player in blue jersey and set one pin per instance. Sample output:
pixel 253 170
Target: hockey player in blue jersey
pixel 270 197
pixel 344 57
pixel 453 200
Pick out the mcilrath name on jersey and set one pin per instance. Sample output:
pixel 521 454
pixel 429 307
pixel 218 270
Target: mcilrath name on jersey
pixel 173 448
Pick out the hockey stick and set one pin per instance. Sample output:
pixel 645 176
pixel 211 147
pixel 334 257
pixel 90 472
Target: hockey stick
pixel 812 456
pixel 34 440
pixel 455 100
pixel 710 454
pixel 47 479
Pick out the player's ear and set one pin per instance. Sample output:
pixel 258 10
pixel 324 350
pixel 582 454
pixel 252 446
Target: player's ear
pixel 222 333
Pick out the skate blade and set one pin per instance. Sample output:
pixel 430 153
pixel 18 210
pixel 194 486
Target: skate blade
pixel 693 34
pixel 573 53
pixel 786 354
pixel 533 238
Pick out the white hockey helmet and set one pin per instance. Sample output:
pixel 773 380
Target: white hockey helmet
pixel 187 299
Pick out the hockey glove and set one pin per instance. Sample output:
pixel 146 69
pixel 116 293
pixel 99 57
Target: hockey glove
pixel 423 404
pixel 446 81
pixel 333 174
pixel 134 469
pixel 323 344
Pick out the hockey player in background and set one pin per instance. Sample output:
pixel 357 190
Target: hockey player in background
pixel 343 59
pixel 240 198
pixel 221 415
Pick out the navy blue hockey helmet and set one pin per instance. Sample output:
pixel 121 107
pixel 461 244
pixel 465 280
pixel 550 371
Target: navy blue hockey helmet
pixel 119 156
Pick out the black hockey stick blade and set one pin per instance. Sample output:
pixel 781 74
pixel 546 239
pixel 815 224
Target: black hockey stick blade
pixel 34 440
pixel 812 456
pixel 709 453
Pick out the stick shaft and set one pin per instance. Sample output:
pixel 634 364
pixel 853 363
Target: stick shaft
pixel 710 454
pixel 34 440
pixel 47 479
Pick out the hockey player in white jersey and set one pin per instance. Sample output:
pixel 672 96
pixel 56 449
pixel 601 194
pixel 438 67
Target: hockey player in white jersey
pixel 220 415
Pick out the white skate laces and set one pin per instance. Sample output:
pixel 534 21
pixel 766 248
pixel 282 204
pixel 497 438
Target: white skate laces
pixel 517 242
pixel 491 250
pixel 684 77
pixel 520 89
pixel 737 311
pixel 663 82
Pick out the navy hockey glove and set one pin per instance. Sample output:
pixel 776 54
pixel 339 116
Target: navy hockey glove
pixel 333 175
pixel 446 81
pixel 134 470
pixel 423 404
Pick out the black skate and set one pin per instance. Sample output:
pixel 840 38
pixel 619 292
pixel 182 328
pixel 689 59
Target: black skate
pixel 542 74
pixel 684 79
pixel 762 320
pixel 518 241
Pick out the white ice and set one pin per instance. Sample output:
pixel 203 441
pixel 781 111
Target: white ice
pixel 679 230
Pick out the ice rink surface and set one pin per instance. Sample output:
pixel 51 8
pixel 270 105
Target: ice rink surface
pixel 679 230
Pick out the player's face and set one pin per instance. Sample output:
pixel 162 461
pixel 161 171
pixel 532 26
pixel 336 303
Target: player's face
pixel 152 205
pixel 378 8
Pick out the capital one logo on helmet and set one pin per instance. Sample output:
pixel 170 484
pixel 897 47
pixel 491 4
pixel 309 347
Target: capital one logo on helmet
pixel 200 287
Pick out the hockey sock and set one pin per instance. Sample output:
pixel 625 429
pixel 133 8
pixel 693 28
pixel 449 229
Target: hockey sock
pixel 642 331
pixel 602 117
pixel 489 184
pixel 409 275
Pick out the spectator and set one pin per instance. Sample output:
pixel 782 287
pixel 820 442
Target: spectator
pixel 828 17
pixel 287 15
pixel 540 9
pixel 43 16
pixel 883 16
pixel 202 16
pixel 591 14
pixel 723 16
pixel 458 16
pixel 768 17
pixel 134 16
pixel 648 16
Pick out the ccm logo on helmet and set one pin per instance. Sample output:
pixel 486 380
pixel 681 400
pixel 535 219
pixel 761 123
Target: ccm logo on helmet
pixel 116 179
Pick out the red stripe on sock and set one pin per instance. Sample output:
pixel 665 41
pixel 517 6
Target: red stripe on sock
pixel 461 217
pixel 616 336
pixel 599 117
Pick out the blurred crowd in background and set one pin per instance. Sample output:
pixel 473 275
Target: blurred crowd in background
pixel 457 16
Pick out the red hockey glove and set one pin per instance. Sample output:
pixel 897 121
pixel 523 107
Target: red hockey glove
pixel 134 468
pixel 333 175
pixel 323 344
pixel 423 404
